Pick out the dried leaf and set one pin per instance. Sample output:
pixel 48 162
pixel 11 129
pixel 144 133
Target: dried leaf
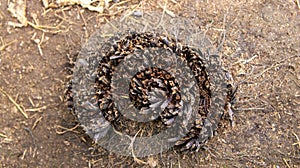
pixel 45 3
pixel 85 4
pixel 18 9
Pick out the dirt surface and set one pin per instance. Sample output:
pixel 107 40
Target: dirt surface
pixel 259 41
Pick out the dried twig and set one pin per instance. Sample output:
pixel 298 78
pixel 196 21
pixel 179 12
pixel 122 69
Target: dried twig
pixel 64 19
pixel 132 150
pixel 47 29
pixel 298 141
pixel 3 135
pixel 164 7
pixel 250 108
pixel 23 155
pixel 286 163
pixel 82 17
pixel 134 7
pixel 14 102
pixel 65 129
pixel 5 45
pixel 276 64
pixel 36 122
pixel 39 109
pixel 113 26
pixel 31 102
pixel 118 4
pixel 298 4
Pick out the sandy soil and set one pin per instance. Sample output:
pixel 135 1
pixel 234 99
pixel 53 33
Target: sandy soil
pixel 259 41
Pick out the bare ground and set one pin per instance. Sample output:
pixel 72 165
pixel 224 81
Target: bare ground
pixel 259 43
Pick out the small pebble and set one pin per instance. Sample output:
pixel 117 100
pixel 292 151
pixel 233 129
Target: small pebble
pixel 138 13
